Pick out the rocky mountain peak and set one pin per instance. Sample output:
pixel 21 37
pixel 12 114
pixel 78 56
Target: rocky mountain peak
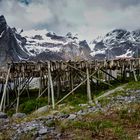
pixel 11 44
pixel 117 43
pixel 39 45
pixel 84 45
pixel 3 24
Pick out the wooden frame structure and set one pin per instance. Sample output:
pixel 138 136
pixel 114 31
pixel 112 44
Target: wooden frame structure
pixel 55 76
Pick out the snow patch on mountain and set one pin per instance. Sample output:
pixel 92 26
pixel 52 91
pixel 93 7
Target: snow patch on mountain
pixel 128 53
pixel 1 34
pixel 42 40
pixel 67 47
pixel 39 36
pixel 117 43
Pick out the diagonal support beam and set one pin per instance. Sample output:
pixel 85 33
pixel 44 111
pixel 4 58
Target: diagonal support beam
pixel 110 75
pixel 92 76
pixel 28 81
pixel 75 88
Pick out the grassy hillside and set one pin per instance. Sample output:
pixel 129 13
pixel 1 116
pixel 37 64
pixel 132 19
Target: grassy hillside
pixel 115 116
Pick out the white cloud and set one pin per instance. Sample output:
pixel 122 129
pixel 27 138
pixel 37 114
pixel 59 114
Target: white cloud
pixel 89 18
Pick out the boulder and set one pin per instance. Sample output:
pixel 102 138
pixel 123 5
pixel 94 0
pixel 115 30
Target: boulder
pixel 19 115
pixel 41 110
pixel 43 131
pixel 3 115
pixel 72 117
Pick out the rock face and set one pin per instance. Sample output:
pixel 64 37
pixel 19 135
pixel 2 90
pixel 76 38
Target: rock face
pixel 39 45
pixel 11 44
pixel 44 45
pixel 117 43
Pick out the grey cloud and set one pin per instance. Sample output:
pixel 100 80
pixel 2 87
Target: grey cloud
pixel 89 18
pixel 113 3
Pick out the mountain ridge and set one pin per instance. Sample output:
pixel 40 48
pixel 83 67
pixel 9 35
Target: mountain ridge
pixel 43 45
pixel 118 42
pixel 11 44
pixel 39 45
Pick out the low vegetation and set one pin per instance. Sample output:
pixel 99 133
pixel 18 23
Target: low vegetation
pixel 121 124
pixel 117 123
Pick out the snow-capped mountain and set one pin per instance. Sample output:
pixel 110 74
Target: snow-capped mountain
pixel 42 44
pixel 117 43
pixel 39 45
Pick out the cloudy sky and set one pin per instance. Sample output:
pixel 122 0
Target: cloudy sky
pixel 88 18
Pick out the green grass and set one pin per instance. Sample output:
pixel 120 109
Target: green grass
pixel 121 134
pixel 93 126
pixel 133 85
pixel 78 97
pixel 130 113
pixel 118 123
pixel 30 105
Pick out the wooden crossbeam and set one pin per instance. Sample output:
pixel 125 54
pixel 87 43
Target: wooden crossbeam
pixel 75 88
pixel 61 74
pixel 28 81
pixel 110 75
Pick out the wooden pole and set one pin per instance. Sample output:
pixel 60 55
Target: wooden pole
pixel 51 85
pixel 42 92
pixel 75 88
pixel 8 101
pixel 92 76
pixel 71 79
pixel 28 81
pixel 48 90
pixel 4 91
pixel 18 94
pixel 58 86
pixel 88 86
pixel 135 77
pixel 110 75
pixel 40 83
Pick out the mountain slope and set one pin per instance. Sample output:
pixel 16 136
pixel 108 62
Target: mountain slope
pixel 39 45
pixel 43 45
pixel 11 44
pixel 117 43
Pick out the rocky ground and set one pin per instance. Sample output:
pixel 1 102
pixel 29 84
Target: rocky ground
pixel 114 114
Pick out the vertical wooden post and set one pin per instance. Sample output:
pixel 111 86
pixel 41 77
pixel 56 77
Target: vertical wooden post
pixel 27 89
pixel 71 79
pixel 4 102
pixel 97 75
pixel 58 86
pixel 88 86
pixel 8 101
pixel 4 91
pixel 48 90
pixel 51 85
pixel 18 94
pixel 2 87
pixel 40 83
